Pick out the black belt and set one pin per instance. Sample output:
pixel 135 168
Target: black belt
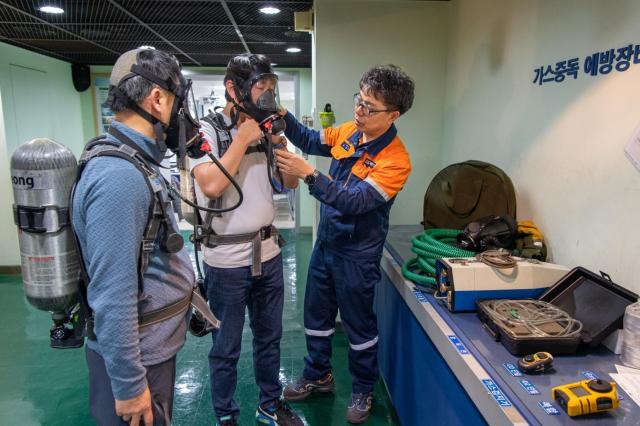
pixel 264 233
pixel 169 311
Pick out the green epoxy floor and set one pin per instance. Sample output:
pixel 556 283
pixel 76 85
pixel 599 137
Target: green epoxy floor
pixel 43 386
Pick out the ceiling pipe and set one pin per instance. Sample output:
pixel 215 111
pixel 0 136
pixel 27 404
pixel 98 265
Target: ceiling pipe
pixel 157 34
pixel 235 25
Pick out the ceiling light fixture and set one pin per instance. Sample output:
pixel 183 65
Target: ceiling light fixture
pixel 273 64
pixel 269 10
pixel 294 50
pixel 55 10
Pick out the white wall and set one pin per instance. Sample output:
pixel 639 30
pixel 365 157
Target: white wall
pixel 8 235
pixel 562 144
pixel 352 36
pixel 38 100
pixel 307 202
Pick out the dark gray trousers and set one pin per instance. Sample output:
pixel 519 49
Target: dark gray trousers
pixel 160 377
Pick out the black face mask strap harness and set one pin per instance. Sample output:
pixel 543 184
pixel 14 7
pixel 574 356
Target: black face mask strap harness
pixel 159 127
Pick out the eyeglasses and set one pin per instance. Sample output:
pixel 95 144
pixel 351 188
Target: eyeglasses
pixel 366 109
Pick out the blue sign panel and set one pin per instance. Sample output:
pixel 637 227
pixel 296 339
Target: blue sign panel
pixel 420 296
pixel 549 408
pixel 589 375
pixel 529 387
pixel 496 393
pixel 460 347
pixel 512 369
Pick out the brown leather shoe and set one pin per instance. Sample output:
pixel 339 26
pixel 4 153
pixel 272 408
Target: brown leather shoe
pixel 360 407
pixel 305 387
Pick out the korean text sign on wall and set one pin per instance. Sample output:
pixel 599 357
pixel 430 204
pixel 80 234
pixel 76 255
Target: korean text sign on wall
pixel 599 63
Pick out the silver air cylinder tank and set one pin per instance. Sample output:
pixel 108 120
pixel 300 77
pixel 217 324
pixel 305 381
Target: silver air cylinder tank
pixel 43 173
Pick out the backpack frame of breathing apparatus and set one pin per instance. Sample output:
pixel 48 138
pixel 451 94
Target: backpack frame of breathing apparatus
pixel 158 224
pixel 44 219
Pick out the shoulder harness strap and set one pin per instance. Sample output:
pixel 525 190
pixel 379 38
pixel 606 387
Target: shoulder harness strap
pixel 101 147
pixel 223 135
pixel 223 140
pixel 104 147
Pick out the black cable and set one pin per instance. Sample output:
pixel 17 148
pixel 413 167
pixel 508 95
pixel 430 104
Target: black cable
pixel 266 140
pixel 207 209
pixel 196 246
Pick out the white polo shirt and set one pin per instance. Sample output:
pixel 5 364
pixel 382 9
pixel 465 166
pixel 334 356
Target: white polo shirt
pixel 256 211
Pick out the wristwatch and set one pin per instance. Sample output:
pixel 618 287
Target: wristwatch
pixel 310 179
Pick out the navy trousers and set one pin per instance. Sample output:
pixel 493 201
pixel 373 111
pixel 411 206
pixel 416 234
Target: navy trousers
pixel 231 291
pixel 160 378
pixel 337 282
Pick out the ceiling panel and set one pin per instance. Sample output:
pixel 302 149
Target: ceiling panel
pixel 198 32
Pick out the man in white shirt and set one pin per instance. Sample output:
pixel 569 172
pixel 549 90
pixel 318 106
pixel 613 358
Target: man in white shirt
pixel 241 252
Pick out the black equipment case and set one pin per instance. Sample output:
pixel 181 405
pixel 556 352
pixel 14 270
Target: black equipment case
pixel 594 300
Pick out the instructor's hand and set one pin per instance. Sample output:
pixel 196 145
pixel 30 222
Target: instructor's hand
pixel 135 409
pixel 293 164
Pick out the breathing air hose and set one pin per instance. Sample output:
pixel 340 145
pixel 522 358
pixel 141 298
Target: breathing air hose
pixel 432 244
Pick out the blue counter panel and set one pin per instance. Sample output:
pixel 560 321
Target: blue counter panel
pixel 528 392
pixel 420 382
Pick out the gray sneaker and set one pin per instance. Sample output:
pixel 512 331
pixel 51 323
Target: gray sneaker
pixel 305 387
pixel 360 407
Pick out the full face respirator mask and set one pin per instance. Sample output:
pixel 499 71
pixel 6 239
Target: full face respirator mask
pixel 265 109
pixel 181 135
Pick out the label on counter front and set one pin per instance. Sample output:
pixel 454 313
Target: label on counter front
pixel 549 408
pixel 460 347
pixel 496 393
pixel 420 296
pixel 589 375
pixel 512 369
pixel 529 387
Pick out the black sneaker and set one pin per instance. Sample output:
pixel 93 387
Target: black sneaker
pixel 305 387
pixel 227 421
pixel 279 414
pixel 360 407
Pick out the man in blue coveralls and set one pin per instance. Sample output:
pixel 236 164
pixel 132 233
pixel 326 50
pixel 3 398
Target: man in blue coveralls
pixel 369 166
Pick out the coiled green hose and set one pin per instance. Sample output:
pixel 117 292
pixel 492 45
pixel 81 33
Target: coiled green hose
pixel 432 244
